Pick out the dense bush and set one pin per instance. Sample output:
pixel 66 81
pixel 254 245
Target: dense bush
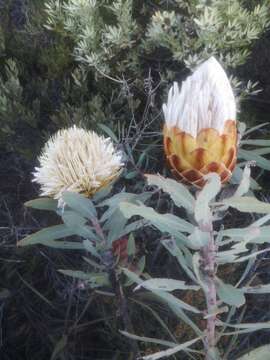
pixel 90 62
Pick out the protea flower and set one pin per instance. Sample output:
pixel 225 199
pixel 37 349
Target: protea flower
pixel 76 160
pixel 200 133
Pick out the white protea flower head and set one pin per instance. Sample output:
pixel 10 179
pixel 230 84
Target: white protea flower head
pixel 200 125
pixel 78 160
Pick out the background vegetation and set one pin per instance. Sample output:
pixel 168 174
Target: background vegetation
pixel 111 63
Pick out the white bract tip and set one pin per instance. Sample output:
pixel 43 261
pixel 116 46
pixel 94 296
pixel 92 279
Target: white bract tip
pixel 76 160
pixel 206 100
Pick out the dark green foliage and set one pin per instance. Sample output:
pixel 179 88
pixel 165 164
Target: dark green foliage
pixel 65 62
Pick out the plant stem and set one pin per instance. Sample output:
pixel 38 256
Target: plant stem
pixel 123 310
pixel 208 257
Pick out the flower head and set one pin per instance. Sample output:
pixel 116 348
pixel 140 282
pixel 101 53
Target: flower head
pixel 200 133
pixel 76 160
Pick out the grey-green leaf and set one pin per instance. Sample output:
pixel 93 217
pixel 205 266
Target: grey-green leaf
pixel 198 239
pixel 43 204
pixel 251 156
pixel 178 192
pixel 261 353
pixel 59 347
pixel 90 248
pixel 73 219
pixel 95 279
pixel 164 222
pixel 245 183
pixel 247 204
pixel 229 294
pixel 80 203
pixel 166 285
pixel 172 351
pixel 208 192
pixel 50 233
pixel 131 246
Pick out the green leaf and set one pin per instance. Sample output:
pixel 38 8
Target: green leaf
pixel 237 176
pixel 95 279
pixel 247 204
pixel 256 142
pixel 244 184
pixel 171 246
pixel 43 204
pixel 262 151
pixel 86 232
pixel 170 301
pixel 169 352
pixel 147 339
pixel 198 239
pixel 72 219
pixel 229 294
pixel 48 234
pixel 91 248
pixel 59 347
pixel 164 222
pixel 80 203
pixel 114 201
pixel 166 285
pixel 131 246
pixel 109 132
pixel 135 225
pixel 103 192
pixel 251 156
pixel 261 353
pixel 131 175
pixel 248 327
pixel 178 192
pixel 260 289
pixel 254 128
pixel 115 226
pixel 208 192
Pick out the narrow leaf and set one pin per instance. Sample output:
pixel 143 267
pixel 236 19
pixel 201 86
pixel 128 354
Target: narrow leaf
pixel 43 204
pixel 261 353
pixel 247 204
pixel 164 222
pixel 251 156
pixel 98 279
pixel 131 246
pixel 260 289
pixel 72 219
pixel 59 347
pixel 147 339
pixel 229 294
pixel 178 192
pixel 244 184
pixel 165 285
pixel 80 203
pixel 169 352
pixel 256 142
pixel 50 233
pixel 208 192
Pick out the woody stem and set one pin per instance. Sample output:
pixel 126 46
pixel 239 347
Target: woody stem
pixel 208 259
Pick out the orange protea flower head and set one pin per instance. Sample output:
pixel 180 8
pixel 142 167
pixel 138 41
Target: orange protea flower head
pixel 200 133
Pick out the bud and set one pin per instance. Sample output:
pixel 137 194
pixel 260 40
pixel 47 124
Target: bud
pixel 200 133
